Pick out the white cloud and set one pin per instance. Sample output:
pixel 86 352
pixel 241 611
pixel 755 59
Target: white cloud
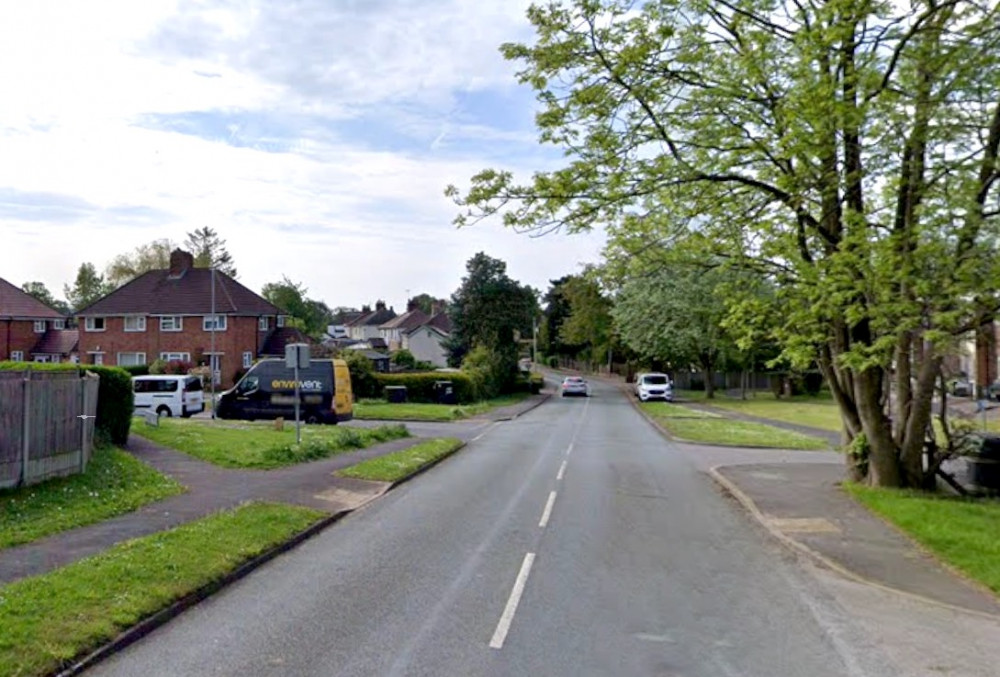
pixel 289 150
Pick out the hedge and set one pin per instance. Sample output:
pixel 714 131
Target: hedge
pixel 114 396
pixel 420 386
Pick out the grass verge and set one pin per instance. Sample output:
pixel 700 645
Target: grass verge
pixel 814 412
pixel 401 464
pixel 728 432
pixel 418 411
pixel 668 410
pixel 962 532
pixel 259 445
pixel 46 621
pixel 115 483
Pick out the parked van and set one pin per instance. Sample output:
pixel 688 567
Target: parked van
pixel 268 391
pixel 654 386
pixel 169 394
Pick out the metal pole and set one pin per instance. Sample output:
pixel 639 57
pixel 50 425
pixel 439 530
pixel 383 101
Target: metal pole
pixel 211 356
pixel 534 344
pixel 298 424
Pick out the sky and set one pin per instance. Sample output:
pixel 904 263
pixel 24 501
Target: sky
pixel 315 136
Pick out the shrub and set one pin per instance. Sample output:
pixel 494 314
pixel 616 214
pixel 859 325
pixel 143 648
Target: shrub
pixel 157 366
pixel 137 370
pixel 494 372
pixel 178 367
pixel 552 361
pixel 420 386
pixel 404 358
pixel 363 383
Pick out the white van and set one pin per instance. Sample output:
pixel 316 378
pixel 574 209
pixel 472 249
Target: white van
pixel 654 386
pixel 169 395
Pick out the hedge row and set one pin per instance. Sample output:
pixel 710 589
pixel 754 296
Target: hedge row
pixel 114 396
pixel 420 386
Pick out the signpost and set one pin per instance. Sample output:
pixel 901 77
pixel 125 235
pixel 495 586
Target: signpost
pixel 297 357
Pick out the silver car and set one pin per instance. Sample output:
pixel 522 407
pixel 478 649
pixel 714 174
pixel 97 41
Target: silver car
pixel 575 385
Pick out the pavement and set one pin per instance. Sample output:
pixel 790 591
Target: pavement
pixel 211 489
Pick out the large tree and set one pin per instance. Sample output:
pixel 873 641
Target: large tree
pixel 209 250
pixel 588 324
pixel 847 150
pixel 126 267
pixel 309 315
pixel 87 288
pixel 39 291
pixel 488 308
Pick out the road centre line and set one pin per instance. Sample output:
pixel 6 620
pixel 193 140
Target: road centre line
pixel 503 627
pixel 548 510
pixel 562 472
pixel 569 449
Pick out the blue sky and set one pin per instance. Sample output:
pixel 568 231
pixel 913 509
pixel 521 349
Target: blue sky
pixel 316 136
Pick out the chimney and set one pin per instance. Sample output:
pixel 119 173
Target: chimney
pixel 180 263
pixel 411 305
pixel 379 305
pixel 437 307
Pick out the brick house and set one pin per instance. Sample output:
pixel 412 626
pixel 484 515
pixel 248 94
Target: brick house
pixel 366 325
pixel 30 330
pixel 168 314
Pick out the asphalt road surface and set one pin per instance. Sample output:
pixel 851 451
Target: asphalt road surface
pixel 571 541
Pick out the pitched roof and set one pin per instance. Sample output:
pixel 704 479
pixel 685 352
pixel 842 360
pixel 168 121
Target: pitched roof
pixel 408 320
pixel 14 303
pixel 280 337
pixel 439 321
pixel 379 317
pixel 159 293
pixel 57 342
pixel 358 320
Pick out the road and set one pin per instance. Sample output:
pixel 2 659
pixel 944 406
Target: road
pixel 571 541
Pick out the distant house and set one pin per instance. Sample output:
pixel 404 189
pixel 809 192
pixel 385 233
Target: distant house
pixel 32 331
pixel 366 325
pixel 393 330
pixel 426 341
pixel 183 313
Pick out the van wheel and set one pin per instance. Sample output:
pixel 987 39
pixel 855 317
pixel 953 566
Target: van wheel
pixel 163 411
pixel 312 419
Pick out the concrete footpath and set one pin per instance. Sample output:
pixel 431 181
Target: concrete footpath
pixel 211 489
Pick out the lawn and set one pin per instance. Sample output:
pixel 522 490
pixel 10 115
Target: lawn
pixel 115 483
pixel 419 411
pixel 259 445
pixel 669 410
pixel 723 431
pixel 47 620
pixel 962 532
pixel 401 464
pixel 814 412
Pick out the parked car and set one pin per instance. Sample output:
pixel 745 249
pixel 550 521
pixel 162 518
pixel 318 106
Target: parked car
pixel 961 387
pixel 169 394
pixel 575 385
pixel 654 385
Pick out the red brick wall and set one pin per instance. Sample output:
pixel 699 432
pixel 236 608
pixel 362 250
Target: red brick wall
pixel 17 335
pixel 241 335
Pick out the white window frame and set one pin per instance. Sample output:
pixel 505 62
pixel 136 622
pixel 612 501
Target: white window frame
pixel 58 324
pixel 90 324
pixel 140 323
pixel 220 323
pixel 262 323
pixel 138 362
pixel 17 356
pixel 280 321
pixel 176 323
pixel 247 359
pixel 40 326
pixel 180 357
pixel 42 359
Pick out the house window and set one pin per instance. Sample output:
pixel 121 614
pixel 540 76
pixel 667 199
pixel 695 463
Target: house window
pixel 131 359
pixel 75 359
pixel 17 355
pixel 262 324
pixel 135 323
pixel 219 324
pixel 175 357
pixel 98 359
pixel 171 323
pixel 94 324
pixel 281 320
pixel 41 358
pixel 39 326
pixel 247 360
pixel 58 324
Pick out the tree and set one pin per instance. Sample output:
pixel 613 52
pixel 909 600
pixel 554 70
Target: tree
pixel 487 309
pixel 126 267
pixel 589 323
pixel 88 287
pixel 425 302
pixel 40 292
pixel 846 150
pixel 209 250
pixel 311 316
pixel 556 311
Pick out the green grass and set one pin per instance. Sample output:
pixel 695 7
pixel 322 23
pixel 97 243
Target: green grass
pixel 258 445
pixel 710 430
pixel 668 410
pixel 47 620
pixel 416 411
pixel 814 412
pixel 962 532
pixel 401 464
pixel 115 483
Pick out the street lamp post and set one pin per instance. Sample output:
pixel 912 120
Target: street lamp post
pixel 211 355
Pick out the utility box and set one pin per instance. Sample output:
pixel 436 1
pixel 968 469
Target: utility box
pixel 395 394
pixel 984 467
pixel 444 392
pixel 297 355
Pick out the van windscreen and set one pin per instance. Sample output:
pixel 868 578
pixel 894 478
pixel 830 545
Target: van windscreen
pixel 655 380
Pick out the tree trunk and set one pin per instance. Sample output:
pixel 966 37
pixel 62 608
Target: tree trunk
pixel 883 461
pixel 709 381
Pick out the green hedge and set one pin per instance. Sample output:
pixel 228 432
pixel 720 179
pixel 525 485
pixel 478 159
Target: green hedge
pixel 114 397
pixel 420 386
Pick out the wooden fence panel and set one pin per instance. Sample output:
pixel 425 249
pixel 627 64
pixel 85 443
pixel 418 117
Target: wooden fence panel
pixel 11 427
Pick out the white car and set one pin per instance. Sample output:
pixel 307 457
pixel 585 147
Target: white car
pixel 654 386
pixel 574 385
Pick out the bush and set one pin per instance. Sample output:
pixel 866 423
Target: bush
pixel 114 396
pixel 404 358
pixel 552 361
pixel 420 386
pixel 363 383
pixel 137 370
pixel 158 367
pixel 493 372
